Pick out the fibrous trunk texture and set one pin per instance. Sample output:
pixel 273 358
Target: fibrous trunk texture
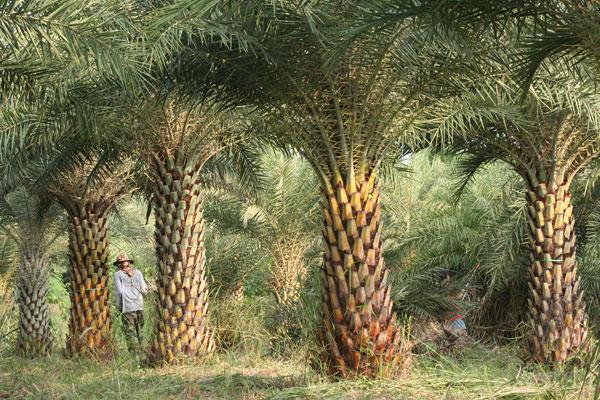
pixel 182 326
pixel 289 270
pixel 359 330
pixel 89 323
pixel 35 337
pixel 237 291
pixel 556 304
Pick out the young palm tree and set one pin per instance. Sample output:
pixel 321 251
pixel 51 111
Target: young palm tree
pixel 231 257
pixel 548 137
pixel 288 197
pixel 482 228
pixel 286 194
pixel 34 227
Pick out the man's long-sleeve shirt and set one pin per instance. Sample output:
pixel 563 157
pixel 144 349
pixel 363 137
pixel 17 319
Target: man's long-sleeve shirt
pixel 129 291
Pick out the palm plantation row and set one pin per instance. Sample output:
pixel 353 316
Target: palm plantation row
pixel 116 99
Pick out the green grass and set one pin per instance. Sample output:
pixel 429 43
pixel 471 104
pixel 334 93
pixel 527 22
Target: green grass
pixel 480 373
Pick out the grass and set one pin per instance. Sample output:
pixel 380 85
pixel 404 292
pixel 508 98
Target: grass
pixel 480 373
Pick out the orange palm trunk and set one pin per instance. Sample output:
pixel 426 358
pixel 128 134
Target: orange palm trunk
pixel 89 323
pixel 35 337
pixel 359 329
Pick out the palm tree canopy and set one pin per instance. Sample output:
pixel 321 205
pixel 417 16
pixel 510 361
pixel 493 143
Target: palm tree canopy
pixel 566 30
pixel 44 40
pixel 30 218
pixel 340 116
pixel 555 124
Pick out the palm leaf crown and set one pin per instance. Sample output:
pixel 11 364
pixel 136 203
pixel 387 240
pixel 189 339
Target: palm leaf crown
pixel 554 125
pixel 342 115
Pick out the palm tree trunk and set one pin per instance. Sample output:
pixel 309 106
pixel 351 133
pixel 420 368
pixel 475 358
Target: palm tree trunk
pixel 556 306
pixel 182 326
pixel 288 271
pixel 89 323
pixel 359 333
pixel 237 291
pixel 35 337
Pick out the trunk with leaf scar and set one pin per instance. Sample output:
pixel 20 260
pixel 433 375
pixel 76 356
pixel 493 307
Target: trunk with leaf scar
pixel 89 323
pixel 182 324
pixel 359 333
pixel 35 337
pixel 556 306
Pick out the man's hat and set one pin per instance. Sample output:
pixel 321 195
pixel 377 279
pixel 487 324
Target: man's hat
pixel 122 258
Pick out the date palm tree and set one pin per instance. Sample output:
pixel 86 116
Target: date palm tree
pixel 566 32
pixel 27 219
pixel 548 136
pixel 71 68
pixel 88 201
pixel 174 140
pixel 54 144
pixel 344 117
pixel 174 137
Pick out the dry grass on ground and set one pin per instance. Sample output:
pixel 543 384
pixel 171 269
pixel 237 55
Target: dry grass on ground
pixel 480 373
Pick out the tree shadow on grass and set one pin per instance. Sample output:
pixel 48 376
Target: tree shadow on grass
pixel 179 386
pixel 124 383
pixel 59 378
pixel 236 385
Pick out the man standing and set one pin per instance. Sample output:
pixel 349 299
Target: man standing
pixel 130 288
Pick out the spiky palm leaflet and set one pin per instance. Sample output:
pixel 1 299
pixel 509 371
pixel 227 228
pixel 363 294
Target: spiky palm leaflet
pixel 45 41
pixel 565 30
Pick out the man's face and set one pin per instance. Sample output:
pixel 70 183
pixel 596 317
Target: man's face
pixel 124 264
